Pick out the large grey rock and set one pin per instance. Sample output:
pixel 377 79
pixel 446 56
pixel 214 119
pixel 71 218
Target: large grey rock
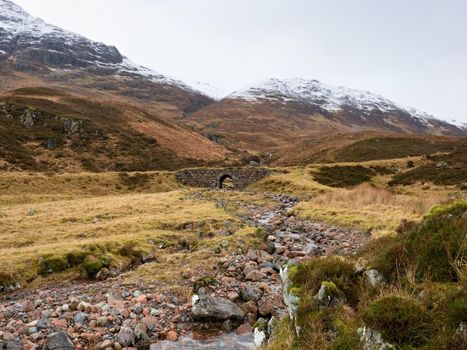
pixel 42 324
pixel 14 345
pixel 125 336
pixel 58 341
pixel 81 317
pixel 217 309
pixel 250 292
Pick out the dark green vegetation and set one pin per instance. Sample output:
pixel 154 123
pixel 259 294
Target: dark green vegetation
pixel 421 304
pixel 39 134
pixel 392 147
pixel 447 169
pixel 401 320
pixel 434 250
pixel 91 258
pixel 343 176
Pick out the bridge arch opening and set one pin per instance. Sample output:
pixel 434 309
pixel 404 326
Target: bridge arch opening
pixel 226 182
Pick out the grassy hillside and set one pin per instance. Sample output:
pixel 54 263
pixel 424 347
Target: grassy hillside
pixel 395 147
pixel 48 130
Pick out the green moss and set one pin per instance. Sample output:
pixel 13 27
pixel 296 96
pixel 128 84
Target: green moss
pixel 204 282
pixel 347 337
pixel 401 320
pixel 334 270
pixel 295 290
pixel 261 324
pixel 51 263
pixel 293 271
pixel 92 265
pixel 330 289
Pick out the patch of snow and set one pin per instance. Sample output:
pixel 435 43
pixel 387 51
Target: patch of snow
pixel 128 66
pixel 459 123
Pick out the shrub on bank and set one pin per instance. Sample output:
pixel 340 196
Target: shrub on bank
pixel 401 320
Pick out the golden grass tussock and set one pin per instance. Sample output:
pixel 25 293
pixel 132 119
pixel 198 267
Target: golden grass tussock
pixel 366 194
pixel 296 181
pixel 368 208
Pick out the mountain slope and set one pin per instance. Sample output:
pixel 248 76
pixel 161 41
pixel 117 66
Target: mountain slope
pixel 275 112
pixel 124 112
pixel 54 56
pixel 49 130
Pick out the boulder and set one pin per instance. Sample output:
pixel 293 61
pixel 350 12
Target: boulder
pixel 255 276
pixel 250 292
pixel 58 341
pixel 125 336
pixel 216 309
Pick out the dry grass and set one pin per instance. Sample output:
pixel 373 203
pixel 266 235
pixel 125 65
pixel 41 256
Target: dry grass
pixel 368 208
pixel 22 187
pixel 365 194
pixel 30 231
pixel 296 181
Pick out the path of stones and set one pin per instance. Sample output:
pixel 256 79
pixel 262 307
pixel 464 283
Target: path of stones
pixel 114 315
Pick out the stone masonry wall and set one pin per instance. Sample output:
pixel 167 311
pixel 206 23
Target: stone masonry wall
pixel 211 177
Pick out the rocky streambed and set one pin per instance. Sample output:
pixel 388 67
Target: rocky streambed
pixel 245 287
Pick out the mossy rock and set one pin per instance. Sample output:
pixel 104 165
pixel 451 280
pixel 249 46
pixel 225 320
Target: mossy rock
pixel 76 258
pixel 261 324
pixel 332 269
pixel 51 263
pixel 401 320
pixel 330 289
pixel 204 282
pixel 92 265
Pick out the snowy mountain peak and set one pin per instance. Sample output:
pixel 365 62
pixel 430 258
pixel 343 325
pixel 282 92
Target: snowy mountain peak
pixel 33 43
pixel 328 97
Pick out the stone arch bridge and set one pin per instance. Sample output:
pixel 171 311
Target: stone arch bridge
pixel 215 177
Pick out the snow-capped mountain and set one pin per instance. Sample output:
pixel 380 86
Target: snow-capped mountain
pixel 273 113
pixel 326 97
pixel 35 45
pixel 357 106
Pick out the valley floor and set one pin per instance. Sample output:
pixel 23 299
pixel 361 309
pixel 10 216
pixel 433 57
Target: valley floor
pixel 115 259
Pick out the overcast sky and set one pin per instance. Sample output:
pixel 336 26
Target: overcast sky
pixel 411 51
